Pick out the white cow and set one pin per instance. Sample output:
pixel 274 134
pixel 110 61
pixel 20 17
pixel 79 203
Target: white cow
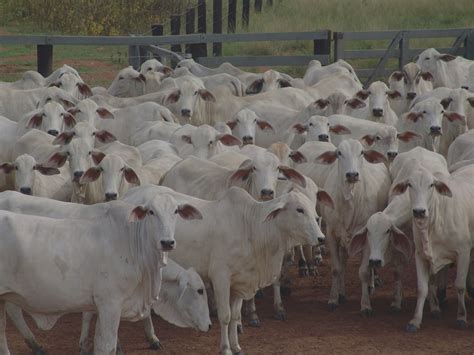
pixel 128 83
pixel 469 82
pixel 461 152
pixel 29 80
pixel 270 80
pixel 316 72
pixel 153 130
pixel 73 85
pixel 317 128
pixel 156 66
pixel 244 125
pixel 211 82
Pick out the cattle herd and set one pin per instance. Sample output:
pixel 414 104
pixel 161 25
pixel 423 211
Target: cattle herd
pixel 228 172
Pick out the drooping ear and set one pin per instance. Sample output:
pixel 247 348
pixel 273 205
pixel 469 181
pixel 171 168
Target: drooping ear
pixel 284 83
pixel 445 102
pixel 73 110
pixel 66 103
pixel 454 116
pixel 298 157
pixel 358 242
pixel 103 113
pixel 401 242
pixel 55 84
pixel 446 57
pixel 299 128
pixel 407 136
pixel 393 94
pixel 188 212
pixel 92 174
pixel 397 75
pixel 339 129
pixel 368 140
pixel 35 121
pixel 322 103
pixel 45 170
pixel 187 139
pixel 255 87
pixel 442 188
pixel 414 116
pixel 263 125
pixel 471 101
pixel 69 120
pixel 141 78
pixel 7 168
pixel 327 158
pixel 57 160
pixel 138 214
pixel 173 97
pixel 356 103
pixel 232 124
pixel 324 198
pixel 363 94
pixel 84 89
pixel 104 136
pixel 229 139
pixel 243 172
pixel 427 76
pixel 64 138
pixel 131 176
pixel 400 188
pixel 165 70
pixel 97 156
pixel 274 213
pixel 206 95
pixel 374 157
pixel 292 175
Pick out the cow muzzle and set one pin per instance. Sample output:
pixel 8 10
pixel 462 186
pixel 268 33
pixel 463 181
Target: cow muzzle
pixel 392 155
pixel 419 213
pixel 323 138
pixel 25 190
pixel 167 245
pixel 352 177
pixel 377 112
pixel 247 140
pixel 375 263
pixel 411 95
pixel 266 194
pixel 186 113
pixel 435 131
pixel 110 196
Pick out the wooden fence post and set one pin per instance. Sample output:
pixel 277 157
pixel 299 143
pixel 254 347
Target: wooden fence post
pixel 201 48
pixel 190 25
pixel 258 5
pixel 338 45
pixel 323 47
pixel 245 13
pixel 175 28
pixel 217 26
pixel 232 16
pixel 404 52
pixel 134 57
pixel 469 46
pixel 44 58
pixel 157 30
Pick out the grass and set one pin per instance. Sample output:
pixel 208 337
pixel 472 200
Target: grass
pixel 283 16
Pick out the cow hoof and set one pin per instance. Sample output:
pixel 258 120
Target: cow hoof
pixel 156 345
pixel 285 291
pixel 254 323
pixel 332 306
pixel 259 295
pixel 280 316
pixel 303 272
pixel 411 328
pixel 239 353
pixel 341 299
pixel 461 324
pixel 83 352
pixel 470 292
pixel 436 314
pixel 394 310
pixel 367 312
pixel 378 282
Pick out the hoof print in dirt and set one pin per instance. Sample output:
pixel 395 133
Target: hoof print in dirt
pixel 254 323
pixel 436 314
pixel 240 329
pixel 367 312
pixel 411 328
pixel 341 299
pixel 332 306
pixel 285 291
pixel 394 310
pixel 461 324
pixel 156 345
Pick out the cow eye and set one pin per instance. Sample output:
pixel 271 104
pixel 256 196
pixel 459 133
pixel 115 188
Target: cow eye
pixel 424 111
pixel 255 120
pixel 90 153
pixel 120 77
pixel 195 93
pixel 300 210
pixel 254 168
pixel 339 153
pixel 201 291
pixel 68 153
pixel 427 58
pixel 311 125
pixel 388 231
pixel 16 167
pixel 378 138
pixel 432 185
pixel 150 69
pixel 151 213
pixel 318 219
pixel 210 142
pixel 62 114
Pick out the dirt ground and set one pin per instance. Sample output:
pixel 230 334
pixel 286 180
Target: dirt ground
pixel 311 328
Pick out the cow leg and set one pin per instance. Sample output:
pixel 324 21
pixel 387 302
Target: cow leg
pixel 3 327
pixel 302 262
pixel 222 294
pixel 364 276
pixel 252 313
pixel 470 281
pixel 85 342
pixel 342 286
pixel 433 298
pixel 16 316
pixel 150 333
pixel 106 329
pixel 460 283
pixel 235 315
pixel 422 280
pixel 396 305
pixel 335 270
pixel 277 302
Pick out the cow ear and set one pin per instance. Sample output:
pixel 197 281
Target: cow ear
pixel 73 111
pixel 84 89
pixel 45 170
pixel 471 101
pixel 7 168
pixel 103 113
pixel 206 95
pixel 293 175
pixel 454 116
pixel 91 175
pixel 97 156
pixel 263 125
pixel 131 176
pixel 339 129
pixel 397 75
pixel 165 70
pixel 229 139
pixel 299 128
pixel 358 242
pixel 298 157
pixel 69 120
pixel 427 76
pixel 187 139
pixel 57 160
pixel 414 116
pixel 368 140
pixel 393 94
pixel 255 87
pixel 400 188
pixel 35 121
pixel 442 188
pixel 66 103
pixel 374 157
pixel 64 138
pixel 243 172
pixel 138 214
pixel 447 57
pixel 363 94
pixel 173 97
pixel 104 136
pixel 188 212
pixel 356 103
pixel 407 136
pixel 322 103
pixel 327 158
pixel 445 102
pixel 141 78
pixel 274 213
pixel 324 198
pixel 284 83
pixel 401 242
pixel 232 124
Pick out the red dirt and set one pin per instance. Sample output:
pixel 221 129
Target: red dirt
pixel 310 327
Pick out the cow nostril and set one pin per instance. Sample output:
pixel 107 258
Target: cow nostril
pixel 375 262
pixel 53 132
pixel 411 95
pixel 167 244
pixel 25 190
pixel 419 213
pixel 321 239
pixel 111 196
pixel 392 155
pixel 435 130
pixel 352 176
pixel 78 174
pixel 186 112
pixel 377 112
pixel 266 194
pixel 247 140
pixel 323 138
